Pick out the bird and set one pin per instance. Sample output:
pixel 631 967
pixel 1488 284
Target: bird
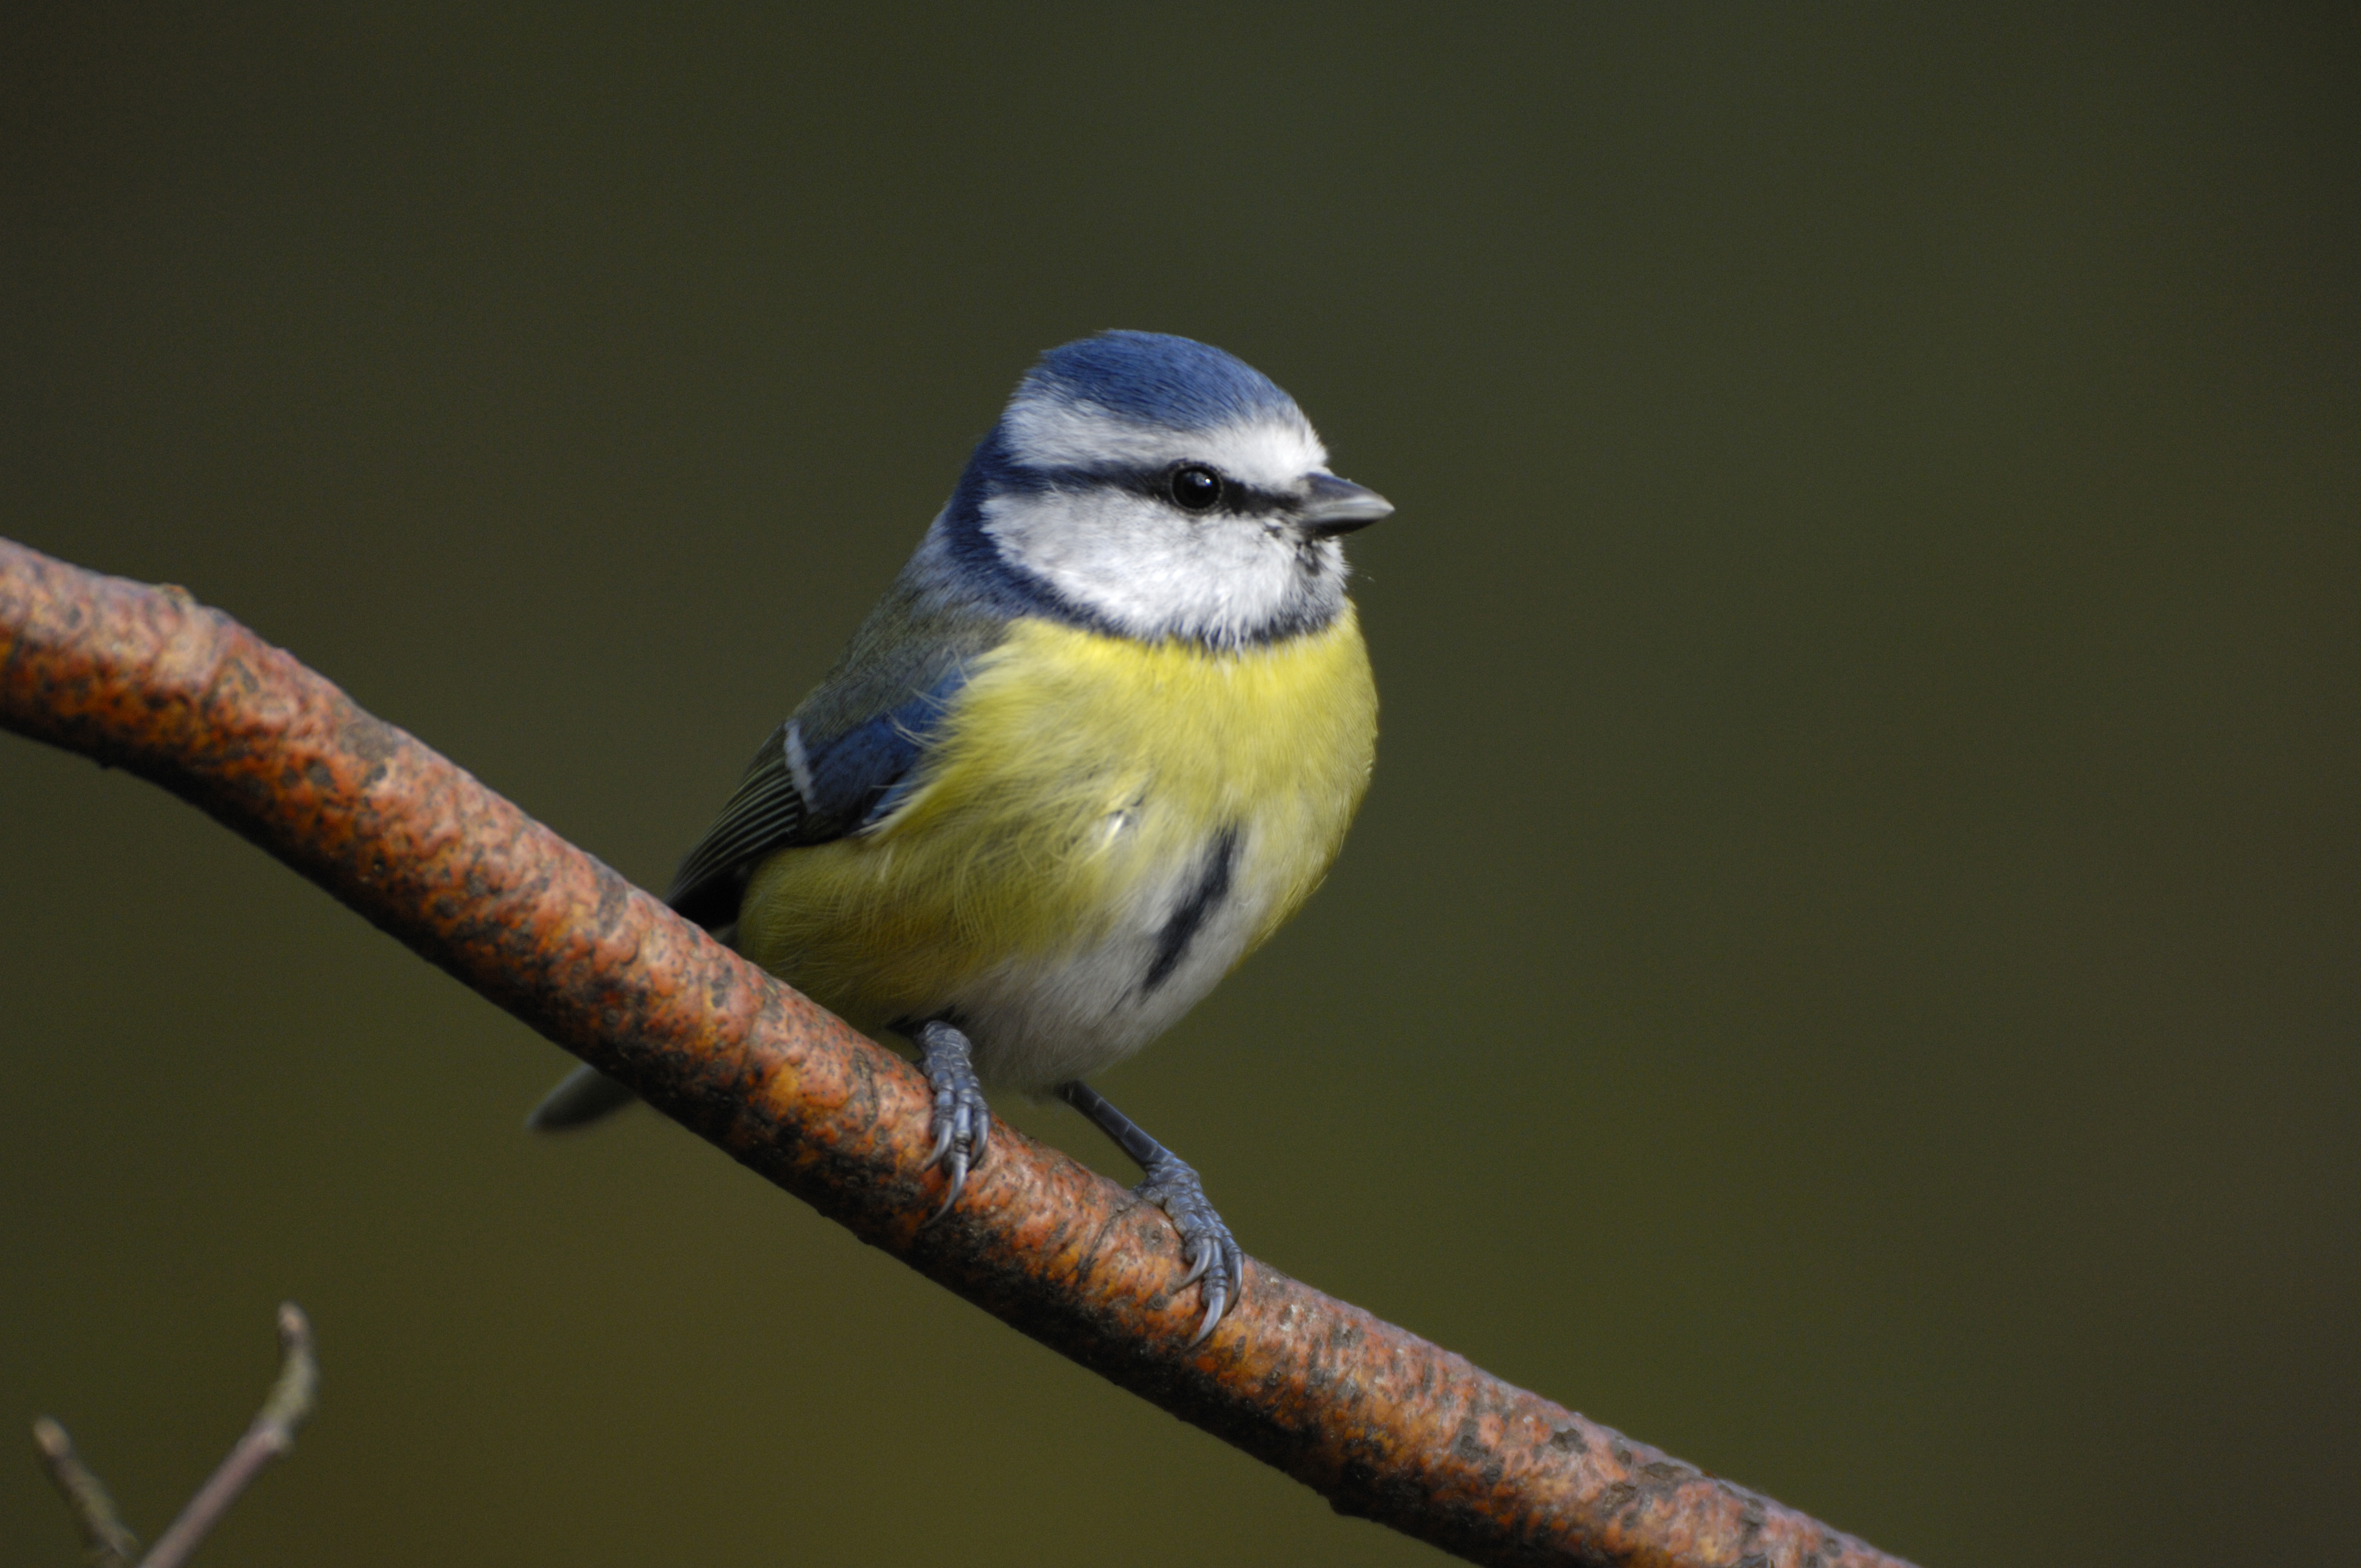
pixel 1103 735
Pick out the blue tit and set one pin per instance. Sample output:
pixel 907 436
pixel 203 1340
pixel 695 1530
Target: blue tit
pixel 1101 737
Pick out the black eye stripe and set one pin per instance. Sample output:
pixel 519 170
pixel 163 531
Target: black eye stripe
pixel 1237 497
pixel 1230 495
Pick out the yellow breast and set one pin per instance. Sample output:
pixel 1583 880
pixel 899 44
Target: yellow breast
pixel 1075 778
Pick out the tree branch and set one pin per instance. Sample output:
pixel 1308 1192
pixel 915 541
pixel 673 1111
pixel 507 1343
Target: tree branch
pixel 110 1543
pixel 1381 1423
pixel 271 1434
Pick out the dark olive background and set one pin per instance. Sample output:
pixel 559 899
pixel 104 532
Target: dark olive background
pixel 1848 971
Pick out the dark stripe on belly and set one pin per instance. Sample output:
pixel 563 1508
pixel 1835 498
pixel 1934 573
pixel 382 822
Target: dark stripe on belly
pixel 1212 886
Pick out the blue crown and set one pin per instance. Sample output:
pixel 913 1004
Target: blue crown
pixel 1157 378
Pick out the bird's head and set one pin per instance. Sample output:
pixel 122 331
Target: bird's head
pixel 1163 489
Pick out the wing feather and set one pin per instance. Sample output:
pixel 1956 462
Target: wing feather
pixel 765 811
pixel 795 793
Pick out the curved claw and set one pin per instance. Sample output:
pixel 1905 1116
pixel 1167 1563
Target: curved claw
pixel 962 1120
pixel 957 1184
pixel 1213 1254
pixel 1217 1302
pixel 1225 1284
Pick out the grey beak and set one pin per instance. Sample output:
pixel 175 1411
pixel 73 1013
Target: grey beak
pixel 1333 506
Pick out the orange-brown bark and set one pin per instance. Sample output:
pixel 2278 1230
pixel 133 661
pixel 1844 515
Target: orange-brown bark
pixel 1379 1421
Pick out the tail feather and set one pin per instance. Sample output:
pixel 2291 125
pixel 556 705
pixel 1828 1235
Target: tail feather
pixel 584 1096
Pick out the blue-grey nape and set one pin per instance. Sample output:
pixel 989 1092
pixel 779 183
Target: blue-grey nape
pixel 1157 378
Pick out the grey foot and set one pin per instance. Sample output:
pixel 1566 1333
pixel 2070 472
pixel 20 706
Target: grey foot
pixel 962 1119
pixel 1172 1185
pixel 1214 1254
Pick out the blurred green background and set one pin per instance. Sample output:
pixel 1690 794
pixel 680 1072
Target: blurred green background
pixel 1848 971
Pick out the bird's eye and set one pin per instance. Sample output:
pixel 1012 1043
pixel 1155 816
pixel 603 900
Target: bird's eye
pixel 1195 487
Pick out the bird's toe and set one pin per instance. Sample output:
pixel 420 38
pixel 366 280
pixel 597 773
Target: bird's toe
pixel 1214 1254
pixel 963 1118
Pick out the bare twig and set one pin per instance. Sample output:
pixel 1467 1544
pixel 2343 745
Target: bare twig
pixel 111 1542
pixel 108 1541
pixel 1378 1420
pixel 272 1434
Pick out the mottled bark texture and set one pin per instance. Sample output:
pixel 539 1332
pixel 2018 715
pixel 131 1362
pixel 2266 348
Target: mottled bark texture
pixel 1377 1421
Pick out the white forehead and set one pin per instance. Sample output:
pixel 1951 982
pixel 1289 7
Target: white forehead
pixel 1269 450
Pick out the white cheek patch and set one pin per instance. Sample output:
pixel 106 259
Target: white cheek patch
pixel 1268 452
pixel 1154 572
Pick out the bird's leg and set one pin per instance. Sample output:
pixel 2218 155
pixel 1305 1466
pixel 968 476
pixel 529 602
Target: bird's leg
pixel 1172 1185
pixel 962 1119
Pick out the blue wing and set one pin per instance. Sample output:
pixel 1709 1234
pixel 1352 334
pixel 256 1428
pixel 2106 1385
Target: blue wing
pixel 800 790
